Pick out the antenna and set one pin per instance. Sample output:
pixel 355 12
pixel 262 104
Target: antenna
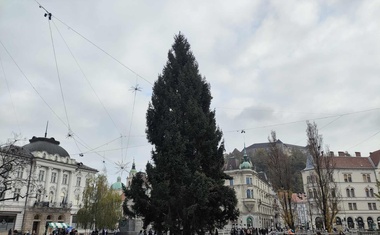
pixel 47 124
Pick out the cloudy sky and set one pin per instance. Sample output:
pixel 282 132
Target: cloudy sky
pixel 272 65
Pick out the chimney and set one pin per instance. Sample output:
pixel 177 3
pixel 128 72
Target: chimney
pixel 331 153
pixel 341 154
pixel 357 154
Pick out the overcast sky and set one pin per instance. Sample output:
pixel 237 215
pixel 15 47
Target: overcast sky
pixel 271 65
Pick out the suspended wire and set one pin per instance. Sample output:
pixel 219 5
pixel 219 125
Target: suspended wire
pixel 91 150
pixel 95 45
pixel 105 52
pixel 10 95
pixel 71 133
pixel 86 78
pixel 293 122
pixel 321 128
pixel 330 123
pixel 46 103
pixel 267 110
pixel 134 89
pixel 31 84
pixel 50 15
pixel 59 78
pixel 365 140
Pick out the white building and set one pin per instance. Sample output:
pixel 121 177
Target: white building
pixel 356 182
pixel 256 199
pixel 300 204
pixel 55 192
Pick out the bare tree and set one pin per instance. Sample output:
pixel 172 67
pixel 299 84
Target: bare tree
pixel 15 172
pixel 321 184
pixel 280 176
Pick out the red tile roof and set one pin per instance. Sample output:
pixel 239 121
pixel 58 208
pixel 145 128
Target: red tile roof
pixel 299 197
pixel 375 156
pixel 352 162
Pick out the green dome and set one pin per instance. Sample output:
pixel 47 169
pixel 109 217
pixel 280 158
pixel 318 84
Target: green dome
pixel 245 165
pixel 117 185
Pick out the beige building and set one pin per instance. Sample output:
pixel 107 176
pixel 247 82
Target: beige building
pixel 256 199
pixel 54 194
pixel 356 182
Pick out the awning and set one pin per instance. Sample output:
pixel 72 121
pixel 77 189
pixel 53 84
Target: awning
pixel 58 225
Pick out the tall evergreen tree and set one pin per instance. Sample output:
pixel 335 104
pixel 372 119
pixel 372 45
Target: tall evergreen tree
pixel 186 176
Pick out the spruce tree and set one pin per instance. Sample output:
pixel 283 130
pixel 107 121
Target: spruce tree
pixel 186 174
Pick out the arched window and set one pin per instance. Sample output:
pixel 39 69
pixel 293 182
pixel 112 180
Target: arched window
pixel 350 222
pixel 51 196
pixel 36 217
pixel 249 222
pixel 49 217
pixel 369 192
pixel 338 221
pixel 350 192
pixel 370 223
pixel 63 197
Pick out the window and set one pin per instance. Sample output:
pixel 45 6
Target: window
pixel 39 195
pixel 333 194
pixel 250 181
pixel 347 178
pixel 64 179
pixel 41 175
pixel 247 180
pixel 53 177
pixel 231 182
pixel 372 206
pixel 16 194
pixel 369 192
pixel 19 173
pixel 2 196
pixel 366 178
pixel 78 181
pixel 352 206
pixel 248 193
pixel 310 193
pixel 51 196
pixel 350 192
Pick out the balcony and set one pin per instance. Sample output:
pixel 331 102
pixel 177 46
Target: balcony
pixel 46 204
pixel 249 203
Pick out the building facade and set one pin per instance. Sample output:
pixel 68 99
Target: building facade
pixel 53 194
pixel 356 178
pixel 256 199
pixel 300 204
